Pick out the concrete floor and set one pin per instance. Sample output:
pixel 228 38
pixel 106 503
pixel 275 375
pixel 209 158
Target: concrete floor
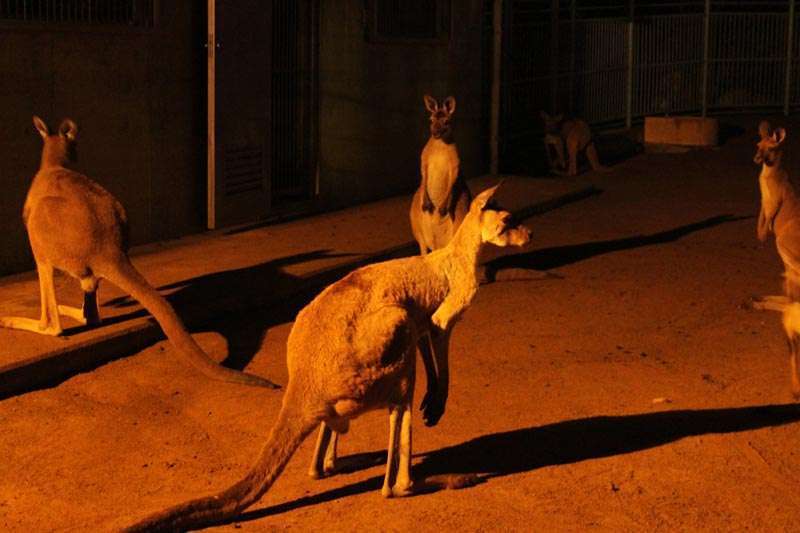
pixel 610 380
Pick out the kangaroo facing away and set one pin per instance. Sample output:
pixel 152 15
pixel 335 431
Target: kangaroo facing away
pixel 442 200
pixel 351 350
pixel 76 226
pixel 780 214
pixel 576 135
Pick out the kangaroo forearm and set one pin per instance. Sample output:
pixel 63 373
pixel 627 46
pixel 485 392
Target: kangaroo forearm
pixel 763 227
pixel 428 362
pixel 451 308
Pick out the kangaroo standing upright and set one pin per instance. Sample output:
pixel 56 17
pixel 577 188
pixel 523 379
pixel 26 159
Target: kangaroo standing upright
pixel 576 135
pixel 76 226
pixel 353 349
pixel 442 199
pixel 780 214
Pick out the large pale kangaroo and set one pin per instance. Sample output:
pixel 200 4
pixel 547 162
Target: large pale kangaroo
pixel 76 226
pixel 576 135
pixel 442 199
pixel 351 350
pixel 780 214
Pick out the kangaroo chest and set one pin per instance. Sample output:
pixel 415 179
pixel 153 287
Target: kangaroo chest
pixel 441 162
pixel 770 192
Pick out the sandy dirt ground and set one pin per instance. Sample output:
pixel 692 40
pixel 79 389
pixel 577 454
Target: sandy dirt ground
pixel 610 380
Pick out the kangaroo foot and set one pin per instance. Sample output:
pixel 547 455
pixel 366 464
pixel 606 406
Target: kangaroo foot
pixel 77 314
pixel 29 324
pixel 766 303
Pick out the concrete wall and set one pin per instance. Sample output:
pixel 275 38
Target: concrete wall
pixel 373 123
pixel 138 99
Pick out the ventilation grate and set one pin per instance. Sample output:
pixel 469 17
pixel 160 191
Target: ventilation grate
pixel 244 170
pixel 136 13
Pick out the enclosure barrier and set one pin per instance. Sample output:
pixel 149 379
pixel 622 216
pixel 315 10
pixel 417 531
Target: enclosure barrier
pixel 615 62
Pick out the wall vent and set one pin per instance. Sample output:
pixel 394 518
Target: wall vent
pixel 244 169
pixel 134 13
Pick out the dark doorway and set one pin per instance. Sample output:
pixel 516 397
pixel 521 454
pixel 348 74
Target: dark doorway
pixel 261 108
pixel 293 100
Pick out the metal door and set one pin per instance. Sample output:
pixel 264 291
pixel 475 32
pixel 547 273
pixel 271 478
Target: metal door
pixel 262 114
pixel 239 63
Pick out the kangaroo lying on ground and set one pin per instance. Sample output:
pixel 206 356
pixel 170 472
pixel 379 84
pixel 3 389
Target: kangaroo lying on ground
pixel 780 214
pixel 442 199
pixel 76 226
pixel 576 135
pixel 351 350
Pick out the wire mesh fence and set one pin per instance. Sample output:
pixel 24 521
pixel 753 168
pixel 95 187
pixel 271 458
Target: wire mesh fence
pixel 612 62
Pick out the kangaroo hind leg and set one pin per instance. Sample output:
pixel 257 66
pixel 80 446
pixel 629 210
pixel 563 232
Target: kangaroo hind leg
pixel 391 452
pixel 49 323
pixel 89 313
pixel 793 349
pixel 594 161
pixel 770 302
pixel 324 463
pixel 324 437
pixel 791 325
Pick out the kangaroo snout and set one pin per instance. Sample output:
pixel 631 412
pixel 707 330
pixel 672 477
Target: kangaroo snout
pixel 519 236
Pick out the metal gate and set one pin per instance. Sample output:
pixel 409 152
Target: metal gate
pixel 614 62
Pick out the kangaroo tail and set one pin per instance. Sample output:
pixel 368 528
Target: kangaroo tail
pixel 286 436
pixel 126 277
pixel 791 283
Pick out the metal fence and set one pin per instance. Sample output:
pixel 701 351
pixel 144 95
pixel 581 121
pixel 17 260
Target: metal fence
pixel 613 62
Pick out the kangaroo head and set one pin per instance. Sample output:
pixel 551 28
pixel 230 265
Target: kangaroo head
pixel 497 225
pixel 770 147
pixel 59 148
pixel 551 124
pixel 441 115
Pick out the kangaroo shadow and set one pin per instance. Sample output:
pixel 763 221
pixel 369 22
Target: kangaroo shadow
pixel 558 256
pixel 242 290
pixel 567 442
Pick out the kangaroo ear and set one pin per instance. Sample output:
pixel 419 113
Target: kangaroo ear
pixel 449 105
pixel 779 135
pixel 483 198
pixel 68 129
pixel 430 103
pixel 41 127
pixel 763 129
pixel 558 118
pixel 544 116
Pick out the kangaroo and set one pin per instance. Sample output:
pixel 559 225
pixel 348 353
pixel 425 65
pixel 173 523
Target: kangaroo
pixel 76 226
pixel 791 326
pixel 780 214
pixel 576 135
pixel 352 349
pixel 442 200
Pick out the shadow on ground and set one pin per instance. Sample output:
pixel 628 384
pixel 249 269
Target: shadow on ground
pixel 198 300
pixel 571 441
pixel 558 256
